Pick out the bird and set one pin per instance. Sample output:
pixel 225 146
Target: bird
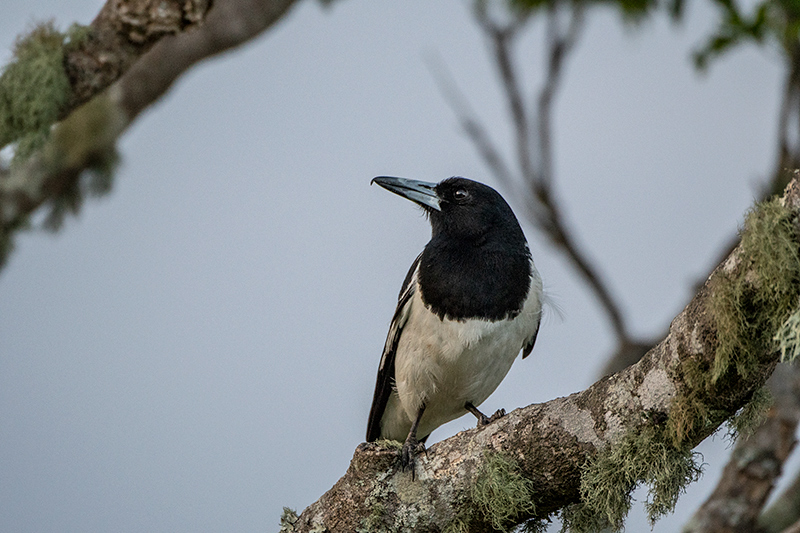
pixel 470 303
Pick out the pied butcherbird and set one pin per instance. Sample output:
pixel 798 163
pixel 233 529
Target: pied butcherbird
pixel 471 302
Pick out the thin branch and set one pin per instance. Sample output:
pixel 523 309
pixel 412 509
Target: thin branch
pixel 501 38
pixel 560 46
pixel 469 122
pixel 535 174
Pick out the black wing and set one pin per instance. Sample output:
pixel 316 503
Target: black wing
pixel 528 348
pixel 385 381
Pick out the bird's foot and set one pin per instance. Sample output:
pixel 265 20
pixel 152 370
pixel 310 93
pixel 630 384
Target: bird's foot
pixel 484 420
pixel 408 455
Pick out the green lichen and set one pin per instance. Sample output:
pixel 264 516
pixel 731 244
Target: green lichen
pixel 457 525
pixel 689 413
pixel 752 415
pixel 288 519
pixel 7 238
pixel 501 492
pixel 607 481
pixel 34 87
pixel 85 140
pixel 388 443
pixel 76 35
pixel 752 302
pixel 376 521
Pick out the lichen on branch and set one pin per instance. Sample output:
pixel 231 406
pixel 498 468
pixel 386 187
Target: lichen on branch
pixel 34 87
pixel 607 481
pixel 754 298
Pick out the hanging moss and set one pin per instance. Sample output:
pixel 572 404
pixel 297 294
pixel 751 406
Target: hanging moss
pixel 611 476
pixel 752 415
pixel 501 491
pixel 535 526
pixel 85 140
pixel 754 307
pixel 690 415
pixel 752 302
pixel 788 338
pixel 457 525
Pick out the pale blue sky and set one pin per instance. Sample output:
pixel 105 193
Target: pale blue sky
pixel 198 349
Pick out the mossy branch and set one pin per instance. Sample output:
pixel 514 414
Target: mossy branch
pixel 123 43
pixel 584 454
pixel 52 73
pixel 77 160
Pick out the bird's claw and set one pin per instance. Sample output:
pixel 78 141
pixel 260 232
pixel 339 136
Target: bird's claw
pixel 483 421
pixel 408 455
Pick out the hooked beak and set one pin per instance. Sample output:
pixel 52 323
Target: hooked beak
pixel 420 192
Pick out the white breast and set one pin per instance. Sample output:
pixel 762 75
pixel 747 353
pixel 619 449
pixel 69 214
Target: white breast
pixel 445 363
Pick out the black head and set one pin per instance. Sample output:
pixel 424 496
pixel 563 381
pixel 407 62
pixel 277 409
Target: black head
pixel 458 208
pixel 470 210
pixel 477 263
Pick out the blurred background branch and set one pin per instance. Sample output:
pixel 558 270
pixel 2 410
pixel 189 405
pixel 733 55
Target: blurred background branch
pixel 755 466
pixel 531 176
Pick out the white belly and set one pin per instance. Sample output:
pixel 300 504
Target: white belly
pixel 444 364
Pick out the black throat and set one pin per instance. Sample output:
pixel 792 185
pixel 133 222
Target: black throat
pixel 484 279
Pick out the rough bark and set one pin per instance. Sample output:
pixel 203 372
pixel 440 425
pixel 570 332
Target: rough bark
pixel 122 32
pixel 550 442
pixel 229 24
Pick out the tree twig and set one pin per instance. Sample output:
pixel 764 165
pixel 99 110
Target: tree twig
pixel 532 177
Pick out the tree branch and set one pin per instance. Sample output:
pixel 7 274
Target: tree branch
pixel 753 468
pixel 534 173
pixel 551 444
pixel 122 32
pixel 560 44
pixel 229 24
pixel 794 528
pixel 89 134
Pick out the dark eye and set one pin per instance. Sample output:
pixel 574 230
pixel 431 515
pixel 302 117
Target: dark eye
pixel 460 195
